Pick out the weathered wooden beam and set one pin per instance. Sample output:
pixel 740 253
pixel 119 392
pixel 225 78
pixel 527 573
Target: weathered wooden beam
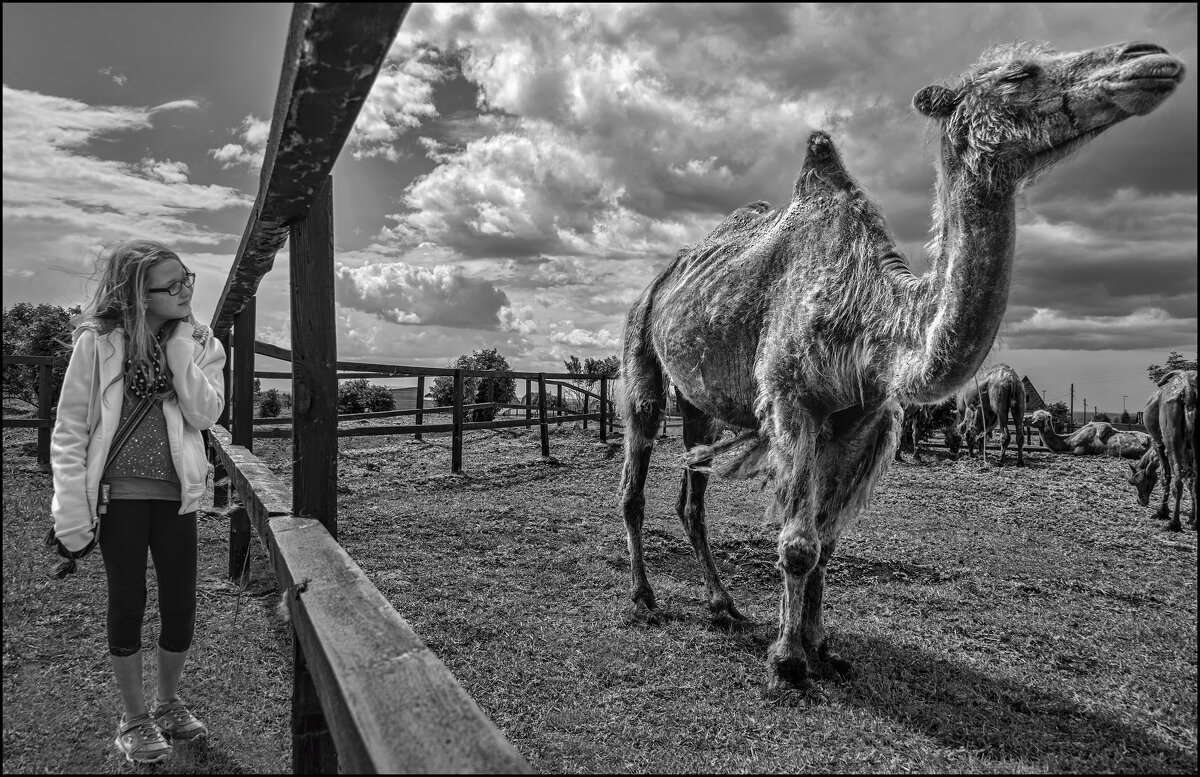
pixel 420 402
pixel 603 408
pixel 14 358
pixel 456 440
pixel 43 435
pixel 333 54
pixel 314 379
pixel 391 705
pixel 243 376
pixel 543 427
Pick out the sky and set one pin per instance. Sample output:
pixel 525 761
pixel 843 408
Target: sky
pixel 520 173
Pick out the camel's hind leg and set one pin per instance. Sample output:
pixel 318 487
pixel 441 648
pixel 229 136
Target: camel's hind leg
pixel 642 402
pixel 698 429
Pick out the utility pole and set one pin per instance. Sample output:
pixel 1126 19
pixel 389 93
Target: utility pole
pixel 1123 410
pixel 1071 423
pixel 1085 420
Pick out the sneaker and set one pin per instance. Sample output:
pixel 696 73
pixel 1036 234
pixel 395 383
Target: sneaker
pixel 141 741
pixel 177 722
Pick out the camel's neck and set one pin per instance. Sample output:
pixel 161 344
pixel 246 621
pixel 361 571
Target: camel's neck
pixel 968 293
pixel 1051 439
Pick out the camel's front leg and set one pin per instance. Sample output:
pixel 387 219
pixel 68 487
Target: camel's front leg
pixel 843 474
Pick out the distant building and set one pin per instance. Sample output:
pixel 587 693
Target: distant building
pixel 1033 397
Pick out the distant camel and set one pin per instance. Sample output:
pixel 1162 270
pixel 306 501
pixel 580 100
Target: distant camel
pixel 1003 397
pixel 804 326
pixel 1098 438
pixel 1170 418
pixel 919 420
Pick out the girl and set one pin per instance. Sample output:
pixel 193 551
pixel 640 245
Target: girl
pixel 139 340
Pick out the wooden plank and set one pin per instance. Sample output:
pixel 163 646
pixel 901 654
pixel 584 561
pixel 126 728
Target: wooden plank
pixel 392 706
pixel 243 376
pixel 420 402
pixel 27 423
pixel 456 442
pixel 226 380
pixel 365 431
pixel 43 435
pixel 603 408
pixel 334 52
pixel 314 381
pixel 15 358
pixel 542 425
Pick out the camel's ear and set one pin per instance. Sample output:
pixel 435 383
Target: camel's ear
pixel 936 102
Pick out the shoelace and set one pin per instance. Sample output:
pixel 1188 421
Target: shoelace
pixel 148 732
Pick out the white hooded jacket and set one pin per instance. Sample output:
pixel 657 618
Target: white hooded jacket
pixel 89 413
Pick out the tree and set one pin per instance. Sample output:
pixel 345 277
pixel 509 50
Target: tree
pixel 477 390
pixel 609 366
pixel 359 396
pixel 1125 417
pixel 1174 362
pixel 1061 414
pixel 35 330
pixel 270 404
pixel 258 388
pixel 1102 417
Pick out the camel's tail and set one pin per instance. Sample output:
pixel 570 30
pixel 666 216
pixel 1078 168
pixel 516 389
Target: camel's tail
pixel 748 462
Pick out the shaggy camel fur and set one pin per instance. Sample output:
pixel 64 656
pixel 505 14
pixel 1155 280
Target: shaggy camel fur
pixel 1099 438
pixel 1003 396
pixel 1170 418
pixel 804 325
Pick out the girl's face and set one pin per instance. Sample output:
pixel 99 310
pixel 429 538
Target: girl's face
pixel 162 306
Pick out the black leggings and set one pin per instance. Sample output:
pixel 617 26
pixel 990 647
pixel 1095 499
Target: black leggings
pixel 127 529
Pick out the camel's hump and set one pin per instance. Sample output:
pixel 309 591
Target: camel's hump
pixel 822 168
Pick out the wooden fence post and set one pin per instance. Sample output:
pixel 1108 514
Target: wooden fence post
pixel 603 408
pixel 456 442
pixel 586 403
pixel 243 377
pixel 420 401
pixel 221 493
pixel 545 428
pixel 492 397
pixel 528 402
pixel 43 443
pixel 313 750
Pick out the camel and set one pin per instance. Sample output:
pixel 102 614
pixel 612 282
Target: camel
pixel 1099 438
pixel 1170 418
pixel 804 326
pixel 1003 395
pixel 919 420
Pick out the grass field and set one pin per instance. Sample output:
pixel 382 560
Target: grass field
pixel 1000 620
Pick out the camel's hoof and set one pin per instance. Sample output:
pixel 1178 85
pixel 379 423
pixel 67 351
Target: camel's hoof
pixel 789 671
pixel 1174 526
pixel 781 693
pixel 640 614
pixel 727 618
pixel 836 667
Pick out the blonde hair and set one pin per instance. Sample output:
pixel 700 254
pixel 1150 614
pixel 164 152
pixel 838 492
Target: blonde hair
pixel 122 280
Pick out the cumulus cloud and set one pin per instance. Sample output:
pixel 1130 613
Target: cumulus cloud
pixel 404 294
pixel 586 338
pixel 56 189
pixel 1145 328
pixel 251 149
pixel 120 79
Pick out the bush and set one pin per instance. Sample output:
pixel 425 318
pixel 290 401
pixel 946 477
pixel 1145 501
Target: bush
pixel 1102 417
pixel 35 330
pixel 476 390
pixel 358 396
pixel 270 404
pixel 1061 414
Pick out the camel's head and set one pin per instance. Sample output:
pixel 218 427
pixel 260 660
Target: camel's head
pixel 1022 108
pixel 970 424
pixel 1144 476
pixel 954 439
pixel 1042 420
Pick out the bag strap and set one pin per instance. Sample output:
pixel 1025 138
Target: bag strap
pixel 125 430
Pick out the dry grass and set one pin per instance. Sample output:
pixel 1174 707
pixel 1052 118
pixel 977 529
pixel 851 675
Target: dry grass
pixel 1001 620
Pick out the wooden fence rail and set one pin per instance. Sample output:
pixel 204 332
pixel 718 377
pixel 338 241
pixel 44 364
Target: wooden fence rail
pixel 459 408
pixel 392 706
pixel 43 422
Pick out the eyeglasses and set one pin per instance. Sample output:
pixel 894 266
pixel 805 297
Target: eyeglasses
pixel 189 280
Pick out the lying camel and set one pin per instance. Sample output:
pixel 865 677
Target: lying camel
pixel 1170 418
pixel 1095 439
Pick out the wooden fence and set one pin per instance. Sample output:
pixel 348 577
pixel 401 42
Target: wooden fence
pixel 43 422
pixel 459 409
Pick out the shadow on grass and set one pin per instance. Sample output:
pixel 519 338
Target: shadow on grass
pixel 997 718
